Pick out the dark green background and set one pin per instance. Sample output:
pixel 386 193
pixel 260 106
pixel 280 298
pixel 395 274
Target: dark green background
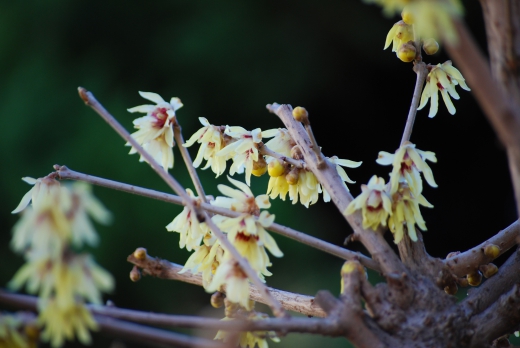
pixel 226 60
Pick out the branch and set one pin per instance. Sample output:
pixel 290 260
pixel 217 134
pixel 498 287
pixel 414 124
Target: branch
pixel 120 328
pixel 177 133
pixel 264 150
pixel 483 297
pixel 422 72
pixel 499 319
pixel 502 112
pixel 470 260
pixel 332 182
pixel 66 173
pixel 166 270
pixel 202 216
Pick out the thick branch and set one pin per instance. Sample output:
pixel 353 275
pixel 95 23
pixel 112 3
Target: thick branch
pixel 499 319
pixel 166 270
pixel 66 173
pixel 332 182
pixel 468 261
pixel 264 150
pixel 483 297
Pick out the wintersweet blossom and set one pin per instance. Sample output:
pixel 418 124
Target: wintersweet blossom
pixel 231 275
pixel 374 202
pixel 155 130
pixel 190 230
pixel 11 333
pixel 406 213
pixel 281 142
pixel 407 163
pixel 243 151
pixel 307 188
pixel 399 34
pixel 277 186
pixel 211 141
pixel 65 323
pixel 249 237
pixel 341 172
pixel 443 77
pixel 248 339
pixel 241 200
pixel 205 259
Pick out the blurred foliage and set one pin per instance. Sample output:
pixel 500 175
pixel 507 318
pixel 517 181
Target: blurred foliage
pixel 226 60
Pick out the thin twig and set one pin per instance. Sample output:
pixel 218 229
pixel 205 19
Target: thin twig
pixel 66 173
pixel 120 328
pixel 468 261
pixel 264 150
pixel 177 133
pixel 422 72
pixel 167 270
pixel 91 101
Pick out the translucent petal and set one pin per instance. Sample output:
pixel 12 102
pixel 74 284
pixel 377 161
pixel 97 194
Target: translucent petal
pixel 142 108
pixel 156 98
pixel 347 163
pixel 176 103
pixel 448 102
pixel 241 186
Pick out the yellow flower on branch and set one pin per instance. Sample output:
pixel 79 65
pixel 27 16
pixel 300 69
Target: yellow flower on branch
pixel 231 275
pixel 155 130
pixel 443 77
pixel 374 202
pixel 248 339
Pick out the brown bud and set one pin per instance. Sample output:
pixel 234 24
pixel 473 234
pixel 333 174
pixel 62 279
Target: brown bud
pixel 463 282
pixel 217 299
pixel 489 270
pixel 293 176
pixel 430 46
pixel 135 274
pixel 300 114
pixel 259 167
pixel 406 52
pixel 451 289
pixel 475 278
pixel 140 254
pixel 275 168
pixel 492 251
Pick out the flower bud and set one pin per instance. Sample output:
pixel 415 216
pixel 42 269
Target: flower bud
pixel 259 167
pixel 430 46
pixel 451 289
pixel 140 254
pixel 406 52
pixel 275 168
pixel 217 299
pixel 352 266
pixel 492 251
pixel 407 16
pixel 135 274
pixel 474 279
pixel 293 176
pixel 300 114
pixel 489 270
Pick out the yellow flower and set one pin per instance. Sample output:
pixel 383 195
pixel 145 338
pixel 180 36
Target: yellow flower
pixel 10 336
pixel 155 130
pixel 307 189
pixel 241 200
pixel 190 230
pixel 65 323
pixel 443 77
pixel 244 151
pixel 248 339
pixel 205 259
pixel 231 275
pixel 281 143
pixel 277 186
pixel 211 141
pixel 374 202
pixel 407 163
pixel 341 172
pixel 400 34
pixel 406 213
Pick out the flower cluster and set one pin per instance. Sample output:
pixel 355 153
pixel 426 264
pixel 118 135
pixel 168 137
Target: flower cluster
pixel 246 233
pixel 55 218
pixel 155 130
pixel 443 77
pixel 396 204
pixel 15 333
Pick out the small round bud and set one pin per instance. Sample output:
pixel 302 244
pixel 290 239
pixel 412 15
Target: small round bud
pixel 300 114
pixel 406 52
pixel 217 299
pixel 430 46
pixel 259 167
pixel 451 289
pixel 352 266
pixel 135 274
pixel 488 270
pixel 140 254
pixel 275 168
pixel 474 279
pixel 406 15
pixel 492 251
pixel 293 176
